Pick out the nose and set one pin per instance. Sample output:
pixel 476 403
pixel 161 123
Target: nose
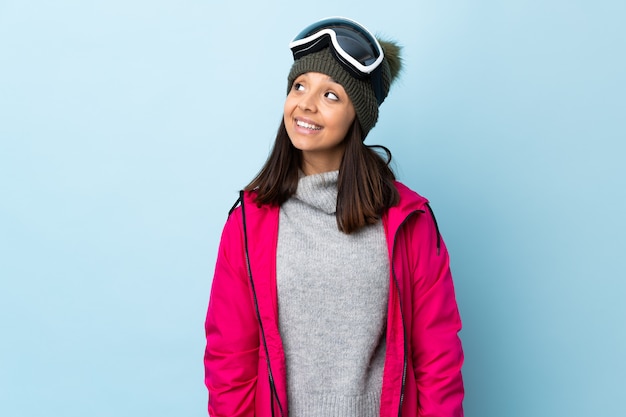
pixel 307 103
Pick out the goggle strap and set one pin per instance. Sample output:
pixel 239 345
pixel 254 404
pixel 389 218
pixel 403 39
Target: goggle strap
pixel 377 84
pixel 315 46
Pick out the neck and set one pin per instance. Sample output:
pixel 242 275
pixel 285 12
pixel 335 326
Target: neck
pixel 317 163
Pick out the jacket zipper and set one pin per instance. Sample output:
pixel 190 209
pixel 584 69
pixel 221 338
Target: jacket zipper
pixel 273 394
pixel 395 278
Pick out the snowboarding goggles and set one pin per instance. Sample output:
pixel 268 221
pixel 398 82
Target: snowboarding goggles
pixel 354 47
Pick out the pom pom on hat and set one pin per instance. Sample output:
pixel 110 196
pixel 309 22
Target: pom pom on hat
pixel 392 56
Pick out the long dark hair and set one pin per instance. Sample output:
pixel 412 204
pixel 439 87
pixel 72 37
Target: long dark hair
pixel 365 187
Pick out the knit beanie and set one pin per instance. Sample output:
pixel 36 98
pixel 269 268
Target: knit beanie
pixel 361 92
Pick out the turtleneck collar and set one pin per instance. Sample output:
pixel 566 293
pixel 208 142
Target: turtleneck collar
pixel 319 191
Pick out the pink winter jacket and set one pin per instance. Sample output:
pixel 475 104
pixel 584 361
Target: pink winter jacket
pixel 244 359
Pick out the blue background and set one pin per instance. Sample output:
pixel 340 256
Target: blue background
pixel 127 127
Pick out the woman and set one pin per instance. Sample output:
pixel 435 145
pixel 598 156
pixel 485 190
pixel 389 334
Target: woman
pixel 332 294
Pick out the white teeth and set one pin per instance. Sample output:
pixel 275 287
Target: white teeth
pixel 307 125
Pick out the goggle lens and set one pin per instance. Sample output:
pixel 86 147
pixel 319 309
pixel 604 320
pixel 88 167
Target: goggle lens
pixel 365 54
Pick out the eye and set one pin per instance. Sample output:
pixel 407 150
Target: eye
pixel 332 96
pixel 298 86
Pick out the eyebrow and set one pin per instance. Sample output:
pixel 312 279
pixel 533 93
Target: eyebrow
pixel 328 78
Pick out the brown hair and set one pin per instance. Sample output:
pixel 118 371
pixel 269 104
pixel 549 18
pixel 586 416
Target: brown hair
pixel 365 185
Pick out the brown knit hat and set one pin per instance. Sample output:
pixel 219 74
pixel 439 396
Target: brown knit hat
pixel 361 92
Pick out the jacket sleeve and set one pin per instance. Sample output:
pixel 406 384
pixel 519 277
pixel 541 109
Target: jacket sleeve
pixel 437 352
pixel 232 338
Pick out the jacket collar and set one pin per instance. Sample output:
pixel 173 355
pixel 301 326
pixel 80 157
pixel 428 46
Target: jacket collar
pixel 410 202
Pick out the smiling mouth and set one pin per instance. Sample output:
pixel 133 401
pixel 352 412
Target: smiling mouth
pixel 308 125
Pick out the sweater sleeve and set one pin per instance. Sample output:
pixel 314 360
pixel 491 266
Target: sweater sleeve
pixel 437 352
pixel 232 336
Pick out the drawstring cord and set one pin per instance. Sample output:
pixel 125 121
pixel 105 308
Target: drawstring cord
pixel 239 200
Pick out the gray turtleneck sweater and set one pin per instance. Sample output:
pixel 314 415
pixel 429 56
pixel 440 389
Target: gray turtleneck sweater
pixel 332 298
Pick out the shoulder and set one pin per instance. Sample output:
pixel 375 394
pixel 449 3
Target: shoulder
pixel 410 200
pixel 246 213
pixel 246 205
pixel 414 215
pixel 248 220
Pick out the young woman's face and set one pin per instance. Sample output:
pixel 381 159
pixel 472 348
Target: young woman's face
pixel 318 115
